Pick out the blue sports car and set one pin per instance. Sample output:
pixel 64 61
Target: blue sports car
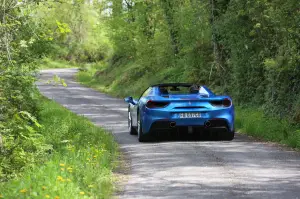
pixel 180 107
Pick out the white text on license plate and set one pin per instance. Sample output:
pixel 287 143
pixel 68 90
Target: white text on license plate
pixel 189 115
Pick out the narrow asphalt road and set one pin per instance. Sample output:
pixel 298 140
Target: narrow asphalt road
pixel 183 169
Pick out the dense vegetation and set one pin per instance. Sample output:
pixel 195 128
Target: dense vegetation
pixel 45 151
pixel 247 49
pixel 20 145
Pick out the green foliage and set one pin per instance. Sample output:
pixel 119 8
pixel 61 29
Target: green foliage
pixel 35 140
pixel 156 36
pixel 29 32
pixel 20 144
pixel 255 123
pixel 263 48
pixel 248 49
pixel 79 166
pixel 75 28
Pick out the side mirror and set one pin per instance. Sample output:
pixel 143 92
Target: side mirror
pixel 129 100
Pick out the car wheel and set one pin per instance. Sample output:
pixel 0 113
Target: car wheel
pixel 131 130
pixel 141 136
pixel 229 135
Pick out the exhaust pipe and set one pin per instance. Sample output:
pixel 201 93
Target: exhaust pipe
pixel 207 124
pixel 172 124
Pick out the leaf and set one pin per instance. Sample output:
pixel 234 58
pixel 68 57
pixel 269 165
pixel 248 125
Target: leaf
pixel 65 141
pixel 30 129
pixel 31 118
pixel 258 25
pixel 23 44
pixel 63 83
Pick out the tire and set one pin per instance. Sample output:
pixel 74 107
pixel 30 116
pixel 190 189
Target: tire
pixel 131 130
pixel 141 136
pixel 229 135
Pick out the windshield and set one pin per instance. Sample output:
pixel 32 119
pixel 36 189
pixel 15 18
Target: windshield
pixel 178 90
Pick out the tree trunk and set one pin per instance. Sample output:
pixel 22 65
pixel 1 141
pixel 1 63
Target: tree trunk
pixel 169 14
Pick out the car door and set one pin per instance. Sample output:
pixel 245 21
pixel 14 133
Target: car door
pixel 137 105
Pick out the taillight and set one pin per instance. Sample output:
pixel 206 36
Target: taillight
pixel 216 103
pixel 221 103
pixel 226 102
pixel 153 104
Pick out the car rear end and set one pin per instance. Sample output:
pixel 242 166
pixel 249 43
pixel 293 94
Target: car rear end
pixel 190 113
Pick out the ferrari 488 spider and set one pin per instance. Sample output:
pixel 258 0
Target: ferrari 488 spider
pixel 180 107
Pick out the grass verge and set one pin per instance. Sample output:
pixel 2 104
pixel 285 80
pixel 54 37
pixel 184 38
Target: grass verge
pixel 254 122
pixel 79 166
pixel 250 121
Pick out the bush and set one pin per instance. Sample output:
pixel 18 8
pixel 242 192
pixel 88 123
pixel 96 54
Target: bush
pixel 80 164
pixel 22 145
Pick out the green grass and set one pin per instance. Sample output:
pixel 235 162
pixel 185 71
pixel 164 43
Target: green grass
pixel 251 121
pixel 80 165
pixel 47 63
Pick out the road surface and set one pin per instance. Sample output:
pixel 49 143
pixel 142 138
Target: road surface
pixel 183 169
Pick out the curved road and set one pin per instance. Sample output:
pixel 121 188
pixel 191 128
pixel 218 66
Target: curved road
pixel 183 169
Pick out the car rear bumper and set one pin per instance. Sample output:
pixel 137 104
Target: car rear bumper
pixel 220 120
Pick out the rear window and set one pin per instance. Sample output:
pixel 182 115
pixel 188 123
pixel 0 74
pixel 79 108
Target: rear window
pixel 178 90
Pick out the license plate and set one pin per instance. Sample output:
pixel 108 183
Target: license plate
pixel 189 115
